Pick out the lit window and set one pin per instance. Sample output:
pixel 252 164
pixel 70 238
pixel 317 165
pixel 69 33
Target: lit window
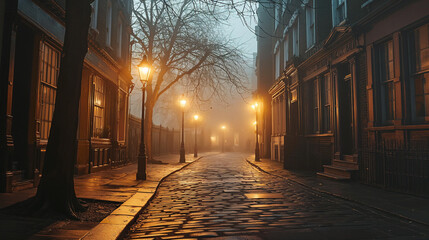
pixel 49 70
pixel 99 130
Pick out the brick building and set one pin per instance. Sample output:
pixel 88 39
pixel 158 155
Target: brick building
pixel 32 35
pixel 349 76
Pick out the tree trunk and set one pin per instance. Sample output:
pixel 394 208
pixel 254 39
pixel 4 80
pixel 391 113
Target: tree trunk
pixel 56 189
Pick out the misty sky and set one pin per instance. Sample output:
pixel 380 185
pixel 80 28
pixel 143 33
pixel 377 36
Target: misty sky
pixel 233 111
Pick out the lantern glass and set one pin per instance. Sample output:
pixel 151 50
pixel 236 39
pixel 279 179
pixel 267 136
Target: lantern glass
pixel 144 70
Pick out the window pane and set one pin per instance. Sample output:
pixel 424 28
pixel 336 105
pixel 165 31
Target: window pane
pixel 48 81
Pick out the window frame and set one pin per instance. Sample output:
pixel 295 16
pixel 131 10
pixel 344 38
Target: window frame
pixel 49 69
pixel 286 50
pixel 310 14
pixel 415 72
pixel 326 103
pixel 94 14
pixel 384 75
pixel 109 15
pixel 336 4
pixel 119 36
pixel 99 109
pixel 295 34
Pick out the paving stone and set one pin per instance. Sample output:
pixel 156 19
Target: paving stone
pixel 228 197
pixel 204 234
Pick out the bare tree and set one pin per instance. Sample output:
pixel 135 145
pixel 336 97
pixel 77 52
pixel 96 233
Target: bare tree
pixel 56 189
pixel 184 43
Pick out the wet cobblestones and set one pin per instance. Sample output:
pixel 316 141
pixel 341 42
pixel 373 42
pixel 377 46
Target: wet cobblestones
pixel 222 196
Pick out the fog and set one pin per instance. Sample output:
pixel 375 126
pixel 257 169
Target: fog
pixel 231 110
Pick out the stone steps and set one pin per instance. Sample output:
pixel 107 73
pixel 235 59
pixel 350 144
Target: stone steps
pixel 22 185
pixel 340 169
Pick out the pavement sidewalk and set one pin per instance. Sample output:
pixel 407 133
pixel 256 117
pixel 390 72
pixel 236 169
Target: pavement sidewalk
pixel 114 185
pixel 406 206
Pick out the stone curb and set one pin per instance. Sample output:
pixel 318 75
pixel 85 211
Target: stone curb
pixel 115 225
pixel 337 195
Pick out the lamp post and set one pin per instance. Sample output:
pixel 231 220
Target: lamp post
pixel 144 72
pixel 255 107
pixel 195 147
pixel 223 127
pixel 182 144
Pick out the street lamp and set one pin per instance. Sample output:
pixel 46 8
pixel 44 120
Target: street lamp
pixel 182 144
pixel 223 127
pixel 255 106
pixel 195 147
pixel 144 72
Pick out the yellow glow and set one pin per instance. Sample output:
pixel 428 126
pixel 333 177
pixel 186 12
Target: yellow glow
pixel 223 127
pixel 196 117
pixel 213 139
pixel 144 70
pixel 255 105
pixel 183 102
pixel 254 123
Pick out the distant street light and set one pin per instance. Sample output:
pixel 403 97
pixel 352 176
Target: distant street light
pixel 144 72
pixel 223 127
pixel 256 108
pixel 195 147
pixel 182 144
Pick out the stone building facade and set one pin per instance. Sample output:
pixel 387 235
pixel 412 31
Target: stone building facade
pixel 33 34
pixel 349 76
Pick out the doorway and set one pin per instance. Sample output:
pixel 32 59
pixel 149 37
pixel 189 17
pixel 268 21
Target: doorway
pixel 345 109
pixel 21 99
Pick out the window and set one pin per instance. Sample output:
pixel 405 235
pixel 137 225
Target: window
pixel 339 13
pixel 419 45
pixel 94 14
pixel 315 106
pixel 309 13
pixel 385 76
pixel 277 64
pixel 99 130
pixel 119 38
pixel 295 35
pixel 49 70
pixel 286 50
pixel 109 24
pixel 277 9
pixel 326 104
pixel 122 115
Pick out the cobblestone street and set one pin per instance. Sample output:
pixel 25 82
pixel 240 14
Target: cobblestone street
pixel 223 196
